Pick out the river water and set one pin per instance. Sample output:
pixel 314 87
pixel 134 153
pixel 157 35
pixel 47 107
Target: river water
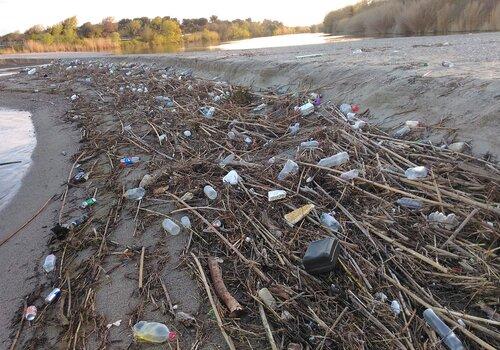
pixel 17 135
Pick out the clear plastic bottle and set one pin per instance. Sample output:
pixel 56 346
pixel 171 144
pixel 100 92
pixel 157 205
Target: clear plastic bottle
pixel 231 178
pixel 128 161
pixel 349 175
pixel 309 144
pixel 210 192
pixel 290 168
pixel 152 332
pixel 409 203
pixel 447 335
pixel 417 172
pixel 345 108
pixel 186 223
pixel 401 132
pixel 330 222
pixel 335 160
pixel 49 263
pixel 171 227
pixel 135 194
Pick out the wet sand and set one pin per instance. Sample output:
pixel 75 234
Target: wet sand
pixel 21 257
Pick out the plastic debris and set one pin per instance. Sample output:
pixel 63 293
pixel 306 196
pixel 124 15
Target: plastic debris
pixel 232 178
pixel 267 298
pixel 30 313
pixel 146 181
pixel 210 192
pixel 417 172
pixel 208 112
pixel 330 222
pixel 335 160
pixel 293 129
pixel 449 221
pixel 88 203
pixel 401 132
pixel 290 168
pixel 32 71
pixel 412 124
pixel 73 97
pixel 380 296
pixel 321 255
pixel 259 107
pixel 309 144
pixel 395 307
pixel 116 324
pixel 447 64
pixel 135 194
pixel 457 147
pixel 187 133
pixel 49 263
pixel 306 109
pixel 448 337
pixel 185 222
pixel 349 175
pixel 358 124
pixel 409 203
pixel 53 295
pixel 275 195
pixel 171 227
pixel 152 332
pixel 128 161
pixel 298 214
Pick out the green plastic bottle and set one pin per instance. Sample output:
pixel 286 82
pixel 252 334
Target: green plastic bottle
pixel 152 332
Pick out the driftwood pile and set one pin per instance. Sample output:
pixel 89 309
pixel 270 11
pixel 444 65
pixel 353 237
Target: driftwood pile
pixel 246 257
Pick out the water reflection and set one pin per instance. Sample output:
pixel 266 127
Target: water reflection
pixel 18 141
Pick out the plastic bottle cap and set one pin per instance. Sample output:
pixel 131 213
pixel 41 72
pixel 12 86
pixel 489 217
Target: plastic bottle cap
pixel 172 336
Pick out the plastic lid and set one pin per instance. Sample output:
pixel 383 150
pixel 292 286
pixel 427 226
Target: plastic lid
pixel 172 336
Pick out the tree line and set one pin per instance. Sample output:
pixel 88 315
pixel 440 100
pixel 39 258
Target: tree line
pixel 142 32
pixel 414 17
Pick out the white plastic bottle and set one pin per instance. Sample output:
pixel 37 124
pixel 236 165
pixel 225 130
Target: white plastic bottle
pixel 210 192
pixel 447 335
pixel 335 160
pixel 152 332
pixel 290 168
pixel 50 263
pixel 171 227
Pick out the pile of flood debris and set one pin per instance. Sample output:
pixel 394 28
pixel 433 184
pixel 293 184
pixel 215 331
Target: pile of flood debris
pixel 308 227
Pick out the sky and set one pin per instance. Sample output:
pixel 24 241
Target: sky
pixel 22 14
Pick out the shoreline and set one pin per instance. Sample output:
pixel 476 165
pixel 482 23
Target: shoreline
pixel 21 256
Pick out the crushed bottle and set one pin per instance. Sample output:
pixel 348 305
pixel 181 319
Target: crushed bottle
pixel 306 109
pixel 449 221
pixel 290 168
pixel 135 194
pixel 80 176
pixel 401 132
pixel 448 337
pixel 349 175
pixel 185 222
pixel 49 263
pixel 208 112
pixel 275 195
pixel 417 172
pixel 293 129
pixel 152 332
pixel 330 222
pixel 409 203
pixel 128 161
pixel 171 227
pixel 309 144
pixel 232 178
pixel 335 160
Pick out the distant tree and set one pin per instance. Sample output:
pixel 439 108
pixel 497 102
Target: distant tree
pixel 109 26
pixel 86 30
pixel 214 19
pixel 134 28
pixel 56 29
pixel 69 29
pixel 37 29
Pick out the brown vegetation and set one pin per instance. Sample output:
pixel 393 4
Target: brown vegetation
pixel 407 17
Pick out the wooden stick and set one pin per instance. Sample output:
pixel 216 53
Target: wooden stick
pixel 141 267
pixel 232 304
pixel 228 340
pixel 269 333
pixel 459 228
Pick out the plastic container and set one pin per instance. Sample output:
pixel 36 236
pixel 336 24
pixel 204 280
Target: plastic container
pixel 88 202
pixel 210 192
pixel 135 194
pixel 306 109
pixel 409 203
pixel 290 168
pixel 448 337
pixel 275 195
pixel 330 222
pixel 152 332
pixel 321 256
pixel 185 222
pixel 171 227
pixel 231 178
pixel 335 160
pixel 49 263
pixel 417 172
pixel 349 175
pixel 309 144
pixel 128 161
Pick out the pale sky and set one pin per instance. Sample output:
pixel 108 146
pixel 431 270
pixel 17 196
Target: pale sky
pixel 22 14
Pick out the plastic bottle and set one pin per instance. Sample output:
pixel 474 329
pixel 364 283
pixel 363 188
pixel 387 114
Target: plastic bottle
pixel 409 203
pixel 293 129
pixel 152 332
pixel 401 132
pixel 329 221
pixel 345 108
pixel 349 175
pixel 335 160
pixel 88 202
pixel 275 195
pixel 186 223
pixel 290 168
pixel 135 194
pixel 309 144
pixel 171 227
pixel 417 172
pixel 128 161
pixel 231 178
pixel 210 192
pixel 77 222
pixel 447 335
pixel 306 109
pixel 50 263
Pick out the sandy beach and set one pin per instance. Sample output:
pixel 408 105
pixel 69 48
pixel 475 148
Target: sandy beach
pixel 395 79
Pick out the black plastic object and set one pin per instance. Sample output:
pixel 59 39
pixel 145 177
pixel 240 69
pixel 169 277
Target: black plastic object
pixel 321 256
